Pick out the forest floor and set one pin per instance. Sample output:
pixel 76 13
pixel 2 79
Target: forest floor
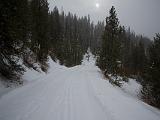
pixel 77 93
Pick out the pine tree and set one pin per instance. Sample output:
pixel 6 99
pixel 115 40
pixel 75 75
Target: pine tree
pixel 96 39
pixel 39 31
pixel 110 53
pixel 151 83
pixel 142 60
pixel 13 35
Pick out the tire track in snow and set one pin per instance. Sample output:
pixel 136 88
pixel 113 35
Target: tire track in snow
pixel 67 94
pixel 108 113
pixel 37 102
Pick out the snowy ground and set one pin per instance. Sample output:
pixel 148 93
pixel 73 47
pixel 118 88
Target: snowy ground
pixel 77 93
pixel 132 87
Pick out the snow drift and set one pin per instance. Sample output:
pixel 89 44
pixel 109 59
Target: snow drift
pixel 77 93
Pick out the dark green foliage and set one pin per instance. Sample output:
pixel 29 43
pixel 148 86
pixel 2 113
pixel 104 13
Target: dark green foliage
pixel 23 26
pixel 9 67
pixel 28 31
pixel 96 37
pixel 135 59
pixel 116 82
pixel 13 34
pixel 110 53
pixel 122 52
pixel 151 83
pixel 125 79
pixel 40 30
pixel 55 30
pixel 133 54
pixel 70 37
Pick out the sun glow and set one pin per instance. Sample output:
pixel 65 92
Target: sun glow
pixel 97 5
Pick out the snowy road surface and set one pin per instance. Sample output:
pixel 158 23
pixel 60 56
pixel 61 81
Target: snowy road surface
pixel 78 93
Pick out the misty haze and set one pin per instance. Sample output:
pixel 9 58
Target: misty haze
pixel 79 60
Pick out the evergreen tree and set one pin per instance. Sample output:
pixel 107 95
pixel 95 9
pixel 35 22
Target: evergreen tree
pixel 151 83
pixel 55 34
pixel 13 35
pixel 142 60
pixel 39 31
pixel 71 39
pixel 96 37
pixel 110 53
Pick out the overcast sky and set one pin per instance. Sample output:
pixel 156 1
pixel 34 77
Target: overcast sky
pixel 143 16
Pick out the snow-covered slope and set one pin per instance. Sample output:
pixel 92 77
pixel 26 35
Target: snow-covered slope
pixel 4 89
pixel 132 87
pixel 77 93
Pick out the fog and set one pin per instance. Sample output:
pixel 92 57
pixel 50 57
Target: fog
pixel 141 15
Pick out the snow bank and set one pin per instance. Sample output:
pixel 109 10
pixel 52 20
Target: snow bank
pixel 31 75
pixel 4 89
pixel 132 87
pixel 77 93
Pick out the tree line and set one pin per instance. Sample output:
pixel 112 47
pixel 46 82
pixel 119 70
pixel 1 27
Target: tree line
pixel 29 33
pixel 125 54
pixel 71 36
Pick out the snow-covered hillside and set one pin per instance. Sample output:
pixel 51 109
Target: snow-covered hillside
pixel 77 93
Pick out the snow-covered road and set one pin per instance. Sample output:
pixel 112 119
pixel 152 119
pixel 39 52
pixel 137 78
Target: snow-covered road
pixel 78 93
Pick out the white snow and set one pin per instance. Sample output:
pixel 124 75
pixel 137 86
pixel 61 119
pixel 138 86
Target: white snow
pixel 132 87
pixel 31 75
pixel 4 89
pixel 77 93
